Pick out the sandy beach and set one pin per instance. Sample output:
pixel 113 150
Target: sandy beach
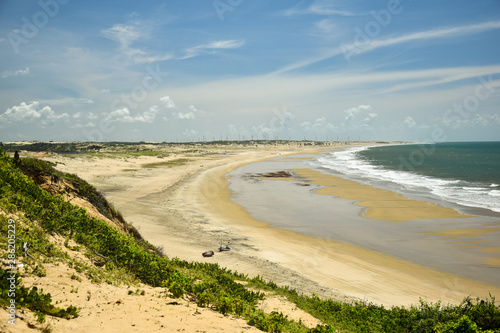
pixel 187 210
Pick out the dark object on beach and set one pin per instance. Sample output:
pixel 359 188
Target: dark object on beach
pixel 277 174
pixel 224 248
pixel 208 253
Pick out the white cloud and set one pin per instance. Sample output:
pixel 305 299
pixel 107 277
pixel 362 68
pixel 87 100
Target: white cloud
pixel 371 115
pixel 123 115
pixel 319 125
pixel 263 132
pixel 191 114
pixel 351 113
pixel 19 72
pixel 29 113
pixel 167 102
pixel 410 122
pixel 212 47
pixel 150 115
pixel 354 118
pixel 483 120
pixel 185 115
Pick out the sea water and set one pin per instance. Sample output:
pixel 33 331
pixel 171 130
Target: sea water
pixel 466 174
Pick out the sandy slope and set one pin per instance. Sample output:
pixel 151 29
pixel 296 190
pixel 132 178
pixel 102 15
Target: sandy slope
pixel 107 308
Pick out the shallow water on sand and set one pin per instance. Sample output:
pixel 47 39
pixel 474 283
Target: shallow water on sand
pixel 468 247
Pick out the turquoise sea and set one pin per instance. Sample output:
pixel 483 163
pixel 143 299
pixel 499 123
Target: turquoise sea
pixel 465 174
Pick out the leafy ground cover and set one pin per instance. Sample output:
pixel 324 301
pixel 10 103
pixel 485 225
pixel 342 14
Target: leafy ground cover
pixel 43 215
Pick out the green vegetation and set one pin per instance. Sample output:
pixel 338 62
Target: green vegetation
pixel 34 168
pixel 121 256
pixel 31 298
pixel 169 164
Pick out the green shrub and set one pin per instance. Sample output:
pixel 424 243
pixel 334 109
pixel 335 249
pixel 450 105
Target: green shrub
pixel 31 298
pixel 463 325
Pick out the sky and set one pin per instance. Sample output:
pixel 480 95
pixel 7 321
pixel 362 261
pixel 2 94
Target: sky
pixel 152 70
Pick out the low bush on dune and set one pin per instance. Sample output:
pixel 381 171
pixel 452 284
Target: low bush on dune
pixel 208 284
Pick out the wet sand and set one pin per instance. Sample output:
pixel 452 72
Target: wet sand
pixel 321 205
pixel 381 204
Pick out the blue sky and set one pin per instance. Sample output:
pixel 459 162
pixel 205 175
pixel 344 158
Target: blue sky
pixel 412 70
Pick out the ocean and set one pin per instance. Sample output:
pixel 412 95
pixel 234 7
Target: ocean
pixel 466 175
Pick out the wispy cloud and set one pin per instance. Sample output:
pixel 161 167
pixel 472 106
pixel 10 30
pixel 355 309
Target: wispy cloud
pixel 212 47
pixel 143 58
pixel 324 27
pixel 128 33
pixel 323 8
pixel 69 101
pixel 125 34
pixel 432 34
pixel 19 72
pixel 370 45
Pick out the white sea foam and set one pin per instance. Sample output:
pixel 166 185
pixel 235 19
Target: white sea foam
pixel 456 191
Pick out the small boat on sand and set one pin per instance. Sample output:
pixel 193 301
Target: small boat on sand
pixel 208 253
pixel 224 248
